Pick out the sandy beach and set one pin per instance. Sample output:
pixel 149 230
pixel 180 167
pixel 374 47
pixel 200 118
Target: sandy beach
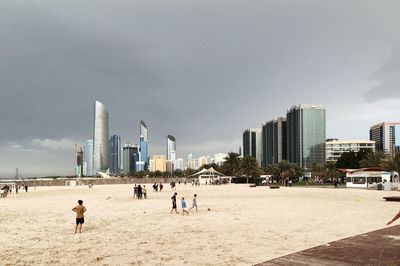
pixel 245 225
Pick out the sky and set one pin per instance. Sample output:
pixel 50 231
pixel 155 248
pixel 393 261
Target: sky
pixel 202 71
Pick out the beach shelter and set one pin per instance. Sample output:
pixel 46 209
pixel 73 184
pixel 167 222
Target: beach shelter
pixel 207 175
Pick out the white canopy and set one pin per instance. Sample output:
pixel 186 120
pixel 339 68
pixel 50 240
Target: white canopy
pixel 211 172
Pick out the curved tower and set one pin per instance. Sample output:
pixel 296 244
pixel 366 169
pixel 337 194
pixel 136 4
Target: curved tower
pixel 100 138
pixel 171 148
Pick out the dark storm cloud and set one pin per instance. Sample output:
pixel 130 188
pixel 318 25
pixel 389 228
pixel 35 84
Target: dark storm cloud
pixel 199 70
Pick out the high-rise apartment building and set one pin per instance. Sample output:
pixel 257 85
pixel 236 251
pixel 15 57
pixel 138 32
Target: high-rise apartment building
pixel 171 148
pixel 274 141
pixel 386 136
pixel 306 135
pixel 144 144
pixel 79 170
pixel 190 163
pixel 219 158
pixel 100 139
pixel 335 148
pixel 252 143
pixel 89 157
pixel 115 155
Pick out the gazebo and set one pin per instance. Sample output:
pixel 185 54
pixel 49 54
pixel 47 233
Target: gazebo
pixel 207 176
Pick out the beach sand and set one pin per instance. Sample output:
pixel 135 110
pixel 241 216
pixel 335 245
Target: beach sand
pixel 245 225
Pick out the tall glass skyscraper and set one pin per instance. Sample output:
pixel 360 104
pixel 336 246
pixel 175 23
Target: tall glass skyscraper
pixel 115 154
pixel 131 156
pixel 89 157
pixel 144 144
pixel 171 148
pixel 252 145
pixel 306 135
pixel 274 148
pixel 100 139
pixel 386 137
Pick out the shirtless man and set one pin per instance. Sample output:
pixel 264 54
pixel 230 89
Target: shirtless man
pixel 80 209
pixel 394 218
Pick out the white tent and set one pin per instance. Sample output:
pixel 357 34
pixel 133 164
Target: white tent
pixel 206 176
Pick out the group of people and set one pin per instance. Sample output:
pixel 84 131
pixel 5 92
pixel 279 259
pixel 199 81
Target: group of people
pixel 157 187
pixel 183 204
pixel 6 189
pixel 139 192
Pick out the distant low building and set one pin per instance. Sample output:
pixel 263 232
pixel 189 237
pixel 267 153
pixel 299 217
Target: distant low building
pixel 335 148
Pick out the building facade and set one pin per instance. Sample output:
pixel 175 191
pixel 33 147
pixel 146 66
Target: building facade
pixel 100 139
pixel 144 144
pixel 159 163
pixel 335 148
pixel 385 137
pixel 171 148
pixel 131 156
pixel 115 155
pixel 306 135
pixel 252 143
pixel 274 141
pixel 89 157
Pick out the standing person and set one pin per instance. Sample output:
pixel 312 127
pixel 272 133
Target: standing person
pixel 144 191
pixel 161 186
pixel 26 188
pixel 140 192
pixel 135 191
pixel 173 198
pixel 80 220
pixel 194 204
pixel 394 218
pixel 184 207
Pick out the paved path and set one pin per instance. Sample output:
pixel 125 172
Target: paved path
pixel 381 247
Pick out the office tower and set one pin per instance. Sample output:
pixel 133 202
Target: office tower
pixel 203 160
pixel 306 135
pixel 335 148
pixel 139 166
pixel 79 161
pixel 190 164
pixel 252 145
pixel 89 157
pixel 100 139
pixel 274 141
pixel 159 163
pixel 178 164
pixel 115 155
pixel 385 137
pixel 144 144
pixel 171 148
pixel 219 158
pixel 131 156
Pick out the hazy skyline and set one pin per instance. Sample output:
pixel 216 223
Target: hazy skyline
pixel 202 71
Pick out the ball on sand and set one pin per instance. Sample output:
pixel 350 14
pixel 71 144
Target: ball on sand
pixel 209 209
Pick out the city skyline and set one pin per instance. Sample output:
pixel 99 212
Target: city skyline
pixel 204 76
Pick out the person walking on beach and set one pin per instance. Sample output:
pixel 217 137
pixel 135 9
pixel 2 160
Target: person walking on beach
pixel 144 192
pixel 184 207
pixel 394 218
pixel 140 192
pixel 80 220
pixel 135 191
pixel 173 198
pixel 194 204
pixel 161 186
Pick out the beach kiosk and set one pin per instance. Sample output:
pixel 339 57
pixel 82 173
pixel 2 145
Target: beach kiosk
pixel 370 178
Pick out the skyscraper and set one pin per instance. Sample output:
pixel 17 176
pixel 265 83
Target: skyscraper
pixel 171 148
pixel 252 145
pixel 131 156
pixel 144 144
pixel 89 157
pixel 115 154
pixel 100 138
pixel 385 137
pixel 306 135
pixel 274 148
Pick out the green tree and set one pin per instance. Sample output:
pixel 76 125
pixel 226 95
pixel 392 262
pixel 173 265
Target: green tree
pixel 231 166
pixel 392 163
pixel 249 166
pixel 373 159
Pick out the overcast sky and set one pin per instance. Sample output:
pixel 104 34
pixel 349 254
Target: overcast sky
pixel 202 71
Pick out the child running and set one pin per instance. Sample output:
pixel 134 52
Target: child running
pixel 80 220
pixel 194 204
pixel 184 207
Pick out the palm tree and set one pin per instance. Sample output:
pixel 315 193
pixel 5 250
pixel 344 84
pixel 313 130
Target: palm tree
pixel 392 163
pixel 249 167
pixel 231 166
pixel 373 159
